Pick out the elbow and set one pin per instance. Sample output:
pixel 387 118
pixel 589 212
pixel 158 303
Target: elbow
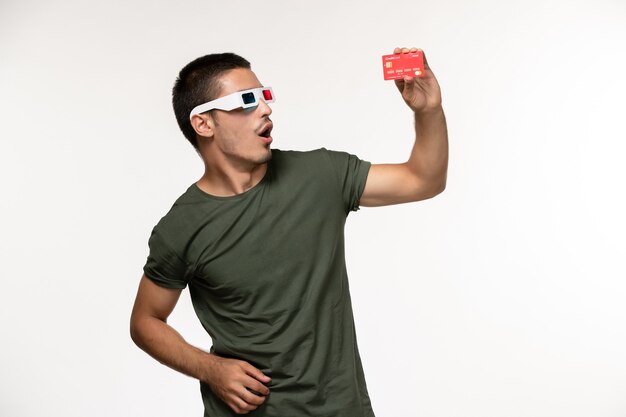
pixel 436 192
pixel 139 336
pixel 428 190
pixel 136 330
pixel 143 329
pixel 439 186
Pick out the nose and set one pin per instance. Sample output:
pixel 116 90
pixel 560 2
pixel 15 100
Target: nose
pixel 264 108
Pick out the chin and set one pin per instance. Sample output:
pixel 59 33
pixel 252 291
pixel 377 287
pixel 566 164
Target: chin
pixel 267 156
pixel 259 159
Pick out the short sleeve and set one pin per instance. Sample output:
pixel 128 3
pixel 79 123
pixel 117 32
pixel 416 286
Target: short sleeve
pixel 351 172
pixel 164 266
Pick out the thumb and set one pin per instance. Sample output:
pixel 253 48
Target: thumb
pixel 399 84
pixel 408 84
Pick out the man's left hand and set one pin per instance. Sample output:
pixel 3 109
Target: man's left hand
pixel 421 94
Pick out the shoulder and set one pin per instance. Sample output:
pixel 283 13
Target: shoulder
pixel 280 156
pixel 322 153
pixel 177 220
pixel 293 154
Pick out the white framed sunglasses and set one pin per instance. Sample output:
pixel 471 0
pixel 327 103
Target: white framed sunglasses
pixel 245 99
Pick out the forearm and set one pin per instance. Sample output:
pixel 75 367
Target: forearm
pixel 429 157
pixel 165 344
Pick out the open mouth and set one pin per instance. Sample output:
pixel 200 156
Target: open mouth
pixel 266 132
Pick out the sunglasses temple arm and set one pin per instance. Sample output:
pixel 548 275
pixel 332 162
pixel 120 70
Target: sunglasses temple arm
pixel 222 103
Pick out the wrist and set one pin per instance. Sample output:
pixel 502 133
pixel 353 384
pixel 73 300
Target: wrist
pixel 430 115
pixel 428 111
pixel 207 364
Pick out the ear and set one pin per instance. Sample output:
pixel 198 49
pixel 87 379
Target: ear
pixel 203 124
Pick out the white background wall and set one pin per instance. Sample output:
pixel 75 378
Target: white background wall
pixel 503 296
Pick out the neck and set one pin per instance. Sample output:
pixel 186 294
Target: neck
pixel 227 177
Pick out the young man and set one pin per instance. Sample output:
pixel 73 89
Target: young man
pixel 259 241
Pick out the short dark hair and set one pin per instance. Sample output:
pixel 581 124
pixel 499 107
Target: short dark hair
pixel 198 83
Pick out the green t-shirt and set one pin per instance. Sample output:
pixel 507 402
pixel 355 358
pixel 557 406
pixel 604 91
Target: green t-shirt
pixel 267 278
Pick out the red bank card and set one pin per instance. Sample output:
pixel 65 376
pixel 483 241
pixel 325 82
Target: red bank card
pixel 396 66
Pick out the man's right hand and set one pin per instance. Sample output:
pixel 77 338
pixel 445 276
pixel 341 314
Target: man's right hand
pixel 229 378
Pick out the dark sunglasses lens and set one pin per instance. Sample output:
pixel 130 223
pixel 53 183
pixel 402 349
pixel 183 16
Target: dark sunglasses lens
pixel 248 98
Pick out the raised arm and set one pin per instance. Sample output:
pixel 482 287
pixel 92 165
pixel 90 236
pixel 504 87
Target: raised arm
pixel 236 382
pixel 424 174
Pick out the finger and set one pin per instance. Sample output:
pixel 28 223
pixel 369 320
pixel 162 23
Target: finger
pixel 425 60
pixel 399 84
pixel 256 387
pixel 240 406
pixel 414 50
pixel 255 373
pixel 397 50
pixel 409 85
pixel 251 398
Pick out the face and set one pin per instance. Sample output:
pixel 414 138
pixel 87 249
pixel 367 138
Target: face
pixel 236 133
